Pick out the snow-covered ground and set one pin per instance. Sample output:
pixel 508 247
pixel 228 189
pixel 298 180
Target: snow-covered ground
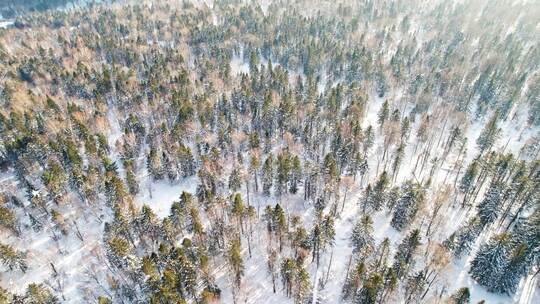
pixel 5 23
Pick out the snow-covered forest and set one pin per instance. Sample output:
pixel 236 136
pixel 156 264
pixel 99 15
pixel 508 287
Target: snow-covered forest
pixel 292 151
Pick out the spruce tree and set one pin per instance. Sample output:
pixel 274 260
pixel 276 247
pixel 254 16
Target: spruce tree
pixel 408 205
pixel 362 239
pixel 489 207
pixel 462 240
pixel 518 265
pixel 375 197
pixel 489 264
pixel 404 258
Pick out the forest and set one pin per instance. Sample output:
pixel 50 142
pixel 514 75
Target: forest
pixel 270 151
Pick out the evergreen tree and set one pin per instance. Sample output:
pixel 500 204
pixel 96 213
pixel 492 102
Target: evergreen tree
pixel 404 258
pixel 283 171
pixel 468 179
pixel 155 164
pixel 235 181
pixel 12 258
pixel 186 274
pixel 8 219
pixel 415 286
pixel 279 224
pixel 39 294
pixel 117 251
pixel 370 291
pixel 296 175
pixel 518 265
pixel 354 280
pixel 238 210
pixel 461 296
pixel 104 300
pixel 267 175
pixel 362 239
pixel 408 205
pixel 488 265
pixel 398 157
pixel 5 296
pixel 236 262
pixel 288 275
pixel 376 197
pixel 489 207
pixel 489 134
pixel 383 114
pixel 462 240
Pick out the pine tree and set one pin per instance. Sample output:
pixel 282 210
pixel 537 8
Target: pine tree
pixel 238 210
pixel 405 129
pixel 147 223
pixel 104 300
pixel 303 285
pixel 288 275
pixel 54 179
pixel 398 157
pixel 167 291
pixel 369 140
pixel 12 258
pixel 117 251
pixel 415 286
pixel 131 179
pixel 155 164
pixel 254 165
pixel 370 291
pixel 267 175
pixel 236 262
pixel 461 296
pixel 283 172
pixel 383 114
pixel 235 181
pixel 187 163
pixel 468 179
pixel 186 273
pixel 5 296
pixel 195 224
pixel 39 294
pixel 8 219
pixel 180 210
pixel 279 224
pixel 296 175
pixel 330 173
pixel 381 255
pixel 353 280
pixel 489 134
pixel 149 269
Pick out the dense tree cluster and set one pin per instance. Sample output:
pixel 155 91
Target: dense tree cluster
pixel 305 127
